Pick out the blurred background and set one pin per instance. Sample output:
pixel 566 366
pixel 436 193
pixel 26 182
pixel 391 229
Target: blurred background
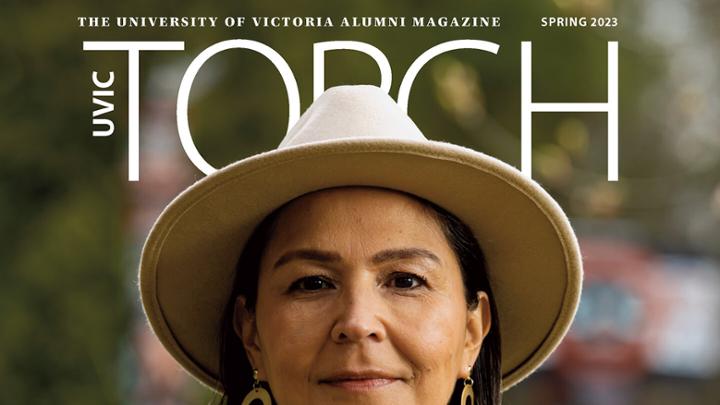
pixel 72 226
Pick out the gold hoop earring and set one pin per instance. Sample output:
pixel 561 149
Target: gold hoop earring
pixel 258 393
pixel 467 392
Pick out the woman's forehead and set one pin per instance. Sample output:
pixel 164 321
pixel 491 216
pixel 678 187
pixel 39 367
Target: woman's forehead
pixel 353 203
pixel 374 217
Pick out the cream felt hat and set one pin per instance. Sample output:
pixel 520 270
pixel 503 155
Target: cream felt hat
pixel 357 135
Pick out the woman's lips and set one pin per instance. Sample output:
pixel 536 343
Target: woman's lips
pixel 360 383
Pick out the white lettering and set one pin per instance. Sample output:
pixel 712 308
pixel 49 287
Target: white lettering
pixel 133 49
pixel 187 81
pixel 528 107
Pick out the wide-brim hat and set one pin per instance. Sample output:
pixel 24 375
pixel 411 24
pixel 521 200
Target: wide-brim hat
pixel 357 135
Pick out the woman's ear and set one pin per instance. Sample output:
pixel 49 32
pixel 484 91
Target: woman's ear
pixel 477 327
pixel 246 329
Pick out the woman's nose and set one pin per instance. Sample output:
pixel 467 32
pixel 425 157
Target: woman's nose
pixel 359 317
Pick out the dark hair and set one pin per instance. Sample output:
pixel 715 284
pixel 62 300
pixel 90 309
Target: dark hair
pixel 236 372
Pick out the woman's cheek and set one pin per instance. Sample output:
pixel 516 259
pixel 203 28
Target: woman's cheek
pixel 291 324
pixel 430 332
pixel 291 335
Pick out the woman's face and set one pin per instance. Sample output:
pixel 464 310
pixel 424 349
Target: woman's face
pixel 361 301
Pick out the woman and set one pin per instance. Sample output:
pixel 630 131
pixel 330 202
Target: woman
pixel 384 291
pixel 361 263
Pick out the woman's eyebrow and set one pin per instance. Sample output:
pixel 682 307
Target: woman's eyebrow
pixel 324 256
pixel 404 254
pixel 308 254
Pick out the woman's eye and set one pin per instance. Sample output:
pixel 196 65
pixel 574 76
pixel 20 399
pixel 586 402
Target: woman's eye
pixel 311 283
pixel 406 281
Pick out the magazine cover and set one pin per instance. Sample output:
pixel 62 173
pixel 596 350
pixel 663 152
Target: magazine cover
pixel 360 202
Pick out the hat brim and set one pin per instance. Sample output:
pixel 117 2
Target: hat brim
pixel 533 260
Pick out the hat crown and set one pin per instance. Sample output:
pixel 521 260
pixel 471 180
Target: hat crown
pixel 351 112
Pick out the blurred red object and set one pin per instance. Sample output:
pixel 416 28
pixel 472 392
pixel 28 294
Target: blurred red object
pixel 618 315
